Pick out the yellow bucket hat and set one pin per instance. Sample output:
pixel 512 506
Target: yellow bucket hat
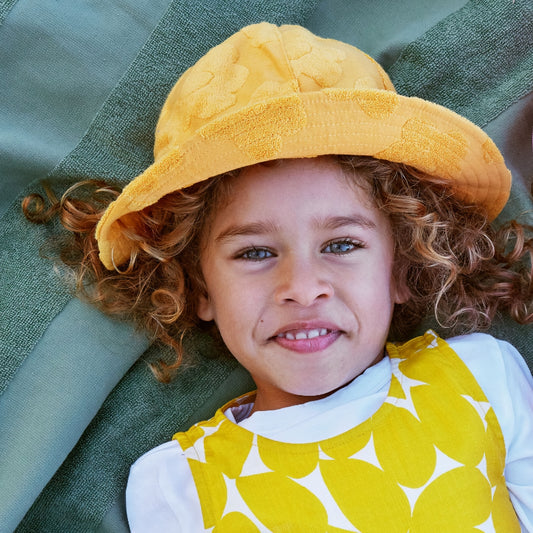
pixel 271 92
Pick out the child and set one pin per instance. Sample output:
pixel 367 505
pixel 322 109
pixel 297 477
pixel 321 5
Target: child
pixel 310 213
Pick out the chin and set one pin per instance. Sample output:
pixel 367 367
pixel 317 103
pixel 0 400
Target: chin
pixel 320 391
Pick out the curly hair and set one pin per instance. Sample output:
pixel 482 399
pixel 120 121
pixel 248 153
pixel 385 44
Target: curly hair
pixel 456 266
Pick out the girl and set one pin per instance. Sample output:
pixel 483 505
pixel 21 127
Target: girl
pixel 308 213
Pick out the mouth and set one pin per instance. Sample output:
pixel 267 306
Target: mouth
pixel 301 334
pixel 307 339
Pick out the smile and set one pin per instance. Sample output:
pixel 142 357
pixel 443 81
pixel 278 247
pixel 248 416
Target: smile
pixel 304 334
pixel 307 340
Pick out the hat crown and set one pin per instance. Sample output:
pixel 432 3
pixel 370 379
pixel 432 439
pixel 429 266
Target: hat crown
pixel 259 63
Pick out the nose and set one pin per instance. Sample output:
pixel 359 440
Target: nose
pixel 301 281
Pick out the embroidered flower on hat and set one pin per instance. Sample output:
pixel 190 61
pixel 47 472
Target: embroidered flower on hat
pixel 491 154
pixel 314 62
pixel 421 143
pixel 376 104
pixel 211 88
pixel 273 89
pixel 260 34
pixel 281 117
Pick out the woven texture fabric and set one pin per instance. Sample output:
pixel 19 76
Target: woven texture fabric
pixel 5 8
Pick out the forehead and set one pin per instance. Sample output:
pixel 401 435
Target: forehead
pixel 320 180
pixel 294 194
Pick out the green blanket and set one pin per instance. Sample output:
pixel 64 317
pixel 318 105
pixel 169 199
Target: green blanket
pixel 78 403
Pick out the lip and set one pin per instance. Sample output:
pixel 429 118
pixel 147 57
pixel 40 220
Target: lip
pixel 314 344
pixel 308 325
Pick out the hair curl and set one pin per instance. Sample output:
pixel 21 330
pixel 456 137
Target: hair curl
pixel 455 265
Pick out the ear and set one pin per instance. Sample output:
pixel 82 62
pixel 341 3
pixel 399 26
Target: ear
pixel 402 293
pixel 204 309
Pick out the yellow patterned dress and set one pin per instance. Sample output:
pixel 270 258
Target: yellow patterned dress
pixel 430 459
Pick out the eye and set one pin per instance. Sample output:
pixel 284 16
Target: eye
pixel 342 246
pixel 254 254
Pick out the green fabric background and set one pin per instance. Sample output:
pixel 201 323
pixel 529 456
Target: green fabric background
pixel 82 101
pixel 5 7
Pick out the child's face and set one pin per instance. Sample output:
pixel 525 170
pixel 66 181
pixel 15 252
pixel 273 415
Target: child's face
pixel 299 275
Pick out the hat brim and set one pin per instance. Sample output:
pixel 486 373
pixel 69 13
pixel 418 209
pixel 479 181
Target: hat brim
pixel 368 122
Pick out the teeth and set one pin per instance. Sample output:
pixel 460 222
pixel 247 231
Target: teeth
pixel 301 335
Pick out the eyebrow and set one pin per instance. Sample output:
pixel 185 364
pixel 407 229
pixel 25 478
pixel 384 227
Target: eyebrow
pixel 341 221
pixel 267 227
pixel 242 230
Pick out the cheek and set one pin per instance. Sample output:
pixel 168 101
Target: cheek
pixel 385 288
pixel 238 310
pixel 226 303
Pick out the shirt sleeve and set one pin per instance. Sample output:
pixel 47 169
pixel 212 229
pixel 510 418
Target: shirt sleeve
pixel 160 495
pixel 508 385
